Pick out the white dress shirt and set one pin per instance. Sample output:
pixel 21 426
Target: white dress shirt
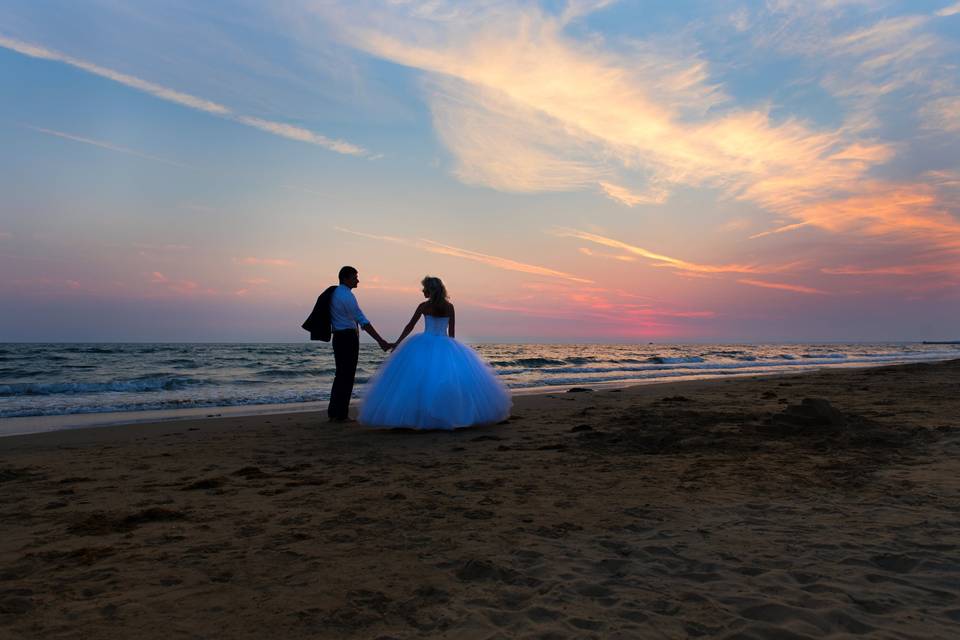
pixel 344 311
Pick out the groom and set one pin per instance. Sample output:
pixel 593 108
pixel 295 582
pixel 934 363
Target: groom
pixel 345 315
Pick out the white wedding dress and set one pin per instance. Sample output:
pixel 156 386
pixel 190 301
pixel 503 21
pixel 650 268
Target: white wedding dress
pixel 432 381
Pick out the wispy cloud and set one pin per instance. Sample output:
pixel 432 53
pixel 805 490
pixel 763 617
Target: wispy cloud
pixel 475 256
pixel 197 207
pixel 496 261
pixel 162 247
pixel 587 251
pixel 654 195
pixel 523 106
pixel 686 268
pixel 44 286
pixel 660 260
pixel 303 135
pixel 314 192
pixel 270 262
pixel 784 228
pixel 107 145
pixel 576 9
pixel 159 91
pixel 184 99
pixel 905 212
pixel 378 283
pixel 951 10
pixel 177 286
pixel 167 253
pixel 794 288
pixel 251 285
pixel 942 114
pixel 901 270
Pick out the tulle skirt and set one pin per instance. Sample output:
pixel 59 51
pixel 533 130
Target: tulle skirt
pixel 434 382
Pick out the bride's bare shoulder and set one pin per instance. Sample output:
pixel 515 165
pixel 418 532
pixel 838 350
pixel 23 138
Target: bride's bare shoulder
pixel 443 311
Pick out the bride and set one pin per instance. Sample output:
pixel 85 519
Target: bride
pixel 433 381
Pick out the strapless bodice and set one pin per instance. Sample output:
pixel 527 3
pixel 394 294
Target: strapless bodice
pixel 435 326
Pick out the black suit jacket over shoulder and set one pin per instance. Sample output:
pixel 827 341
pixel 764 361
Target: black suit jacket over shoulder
pixel 318 322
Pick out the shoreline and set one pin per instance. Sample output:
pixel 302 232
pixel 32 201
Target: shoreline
pixel 818 504
pixel 31 425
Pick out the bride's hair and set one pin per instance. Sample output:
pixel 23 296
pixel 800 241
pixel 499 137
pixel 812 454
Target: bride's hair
pixel 436 291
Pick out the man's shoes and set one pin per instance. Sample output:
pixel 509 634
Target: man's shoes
pixel 341 420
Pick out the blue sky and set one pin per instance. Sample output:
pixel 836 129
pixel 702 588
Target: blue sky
pixel 603 171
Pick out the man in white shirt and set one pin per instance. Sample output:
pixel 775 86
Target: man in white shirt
pixel 345 316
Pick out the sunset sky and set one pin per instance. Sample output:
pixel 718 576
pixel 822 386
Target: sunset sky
pixel 684 171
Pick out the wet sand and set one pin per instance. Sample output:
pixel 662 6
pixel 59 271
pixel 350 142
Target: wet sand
pixel 732 509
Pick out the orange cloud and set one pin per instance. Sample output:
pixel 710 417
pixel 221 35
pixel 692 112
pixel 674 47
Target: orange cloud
pixel 796 288
pixel 690 269
pixel 523 106
pixel 654 195
pixel 612 256
pixel 788 227
pixel 489 260
pixel 911 212
pixel 903 270
pixel 659 260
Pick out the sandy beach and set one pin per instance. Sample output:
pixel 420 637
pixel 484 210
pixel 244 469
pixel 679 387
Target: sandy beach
pixel 824 504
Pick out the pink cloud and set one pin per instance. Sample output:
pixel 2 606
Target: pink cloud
pixel 179 286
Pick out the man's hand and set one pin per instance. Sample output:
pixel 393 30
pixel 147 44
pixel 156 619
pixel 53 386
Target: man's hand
pixel 386 346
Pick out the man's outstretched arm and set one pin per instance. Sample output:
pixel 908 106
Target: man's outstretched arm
pixel 376 336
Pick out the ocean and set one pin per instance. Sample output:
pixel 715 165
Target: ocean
pixel 79 379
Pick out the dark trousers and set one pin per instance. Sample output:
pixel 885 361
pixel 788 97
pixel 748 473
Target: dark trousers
pixel 346 351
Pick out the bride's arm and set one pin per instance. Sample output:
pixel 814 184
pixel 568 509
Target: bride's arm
pixel 410 325
pixel 451 327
